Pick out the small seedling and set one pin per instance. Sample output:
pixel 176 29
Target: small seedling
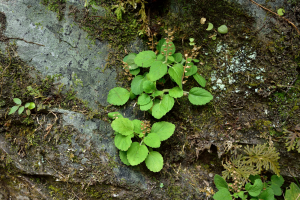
pixel 28 105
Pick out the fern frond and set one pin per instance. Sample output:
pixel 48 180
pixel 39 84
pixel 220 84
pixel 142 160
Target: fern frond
pixel 293 140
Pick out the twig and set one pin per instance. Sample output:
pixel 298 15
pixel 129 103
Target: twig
pixel 48 129
pixel 24 41
pixel 277 15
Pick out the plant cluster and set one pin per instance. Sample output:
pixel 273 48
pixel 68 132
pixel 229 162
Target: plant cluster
pixel 162 65
pixel 146 138
pixel 29 106
pixel 257 189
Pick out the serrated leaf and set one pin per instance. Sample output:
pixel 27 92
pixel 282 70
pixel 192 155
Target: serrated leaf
pixel 13 110
pixel 123 157
pixel 276 183
pixel 31 106
pixel 176 92
pixel 176 72
pixel 157 70
pixel 292 193
pixel 145 58
pixel 146 106
pixel 123 126
pixel 255 189
pixel 123 142
pixel 148 86
pixel 21 109
pixel 157 93
pixel 200 79
pixel 17 101
pixel 222 194
pixel 199 96
pixel 223 29
pixel 154 161
pixel 267 194
pixel 137 85
pixel 114 115
pixel 177 57
pixel 159 44
pixel 143 99
pixel 210 26
pixel 152 140
pixel 160 108
pixel 137 125
pixel 118 96
pixel 220 182
pixel 135 71
pixel 192 70
pixel 163 129
pixel 137 153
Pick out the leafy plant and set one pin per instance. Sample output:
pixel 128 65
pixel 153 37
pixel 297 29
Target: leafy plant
pixel 221 29
pixel 166 63
pixel 28 105
pixel 134 153
pixel 293 139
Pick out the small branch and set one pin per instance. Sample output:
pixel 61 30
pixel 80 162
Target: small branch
pixel 277 15
pixel 24 41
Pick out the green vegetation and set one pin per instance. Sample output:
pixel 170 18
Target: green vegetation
pixel 133 153
pixel 28 105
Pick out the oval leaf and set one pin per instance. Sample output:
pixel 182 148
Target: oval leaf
pixel 114 115
pixel 199 96
pixel 137 85
pixel 157 70
pixel 21 109
pixel 135 71
pixel 148 86
pixel 17 101
pixel 163 129
pixel 152 140
pixel 122 142
pixel 146 106
pixel 210 26
pixel 123 126
pixel 31 106
pixel 123 157
pixel 191 71
pixel 160 108
pixel 176 73
pixel 137 125
pixel 13 110
pixel 154 161
pixel 137 153
pixel 176 92
pixel 145 58
pixel 220 182
pixel 200 79
pixel 118 96
pixel 223 29
pixel 177 57
pixel 168 48
pixel 143 99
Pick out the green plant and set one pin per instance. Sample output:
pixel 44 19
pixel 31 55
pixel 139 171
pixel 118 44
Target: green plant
pixel 175 66
pixel 134 153
pixel 28 105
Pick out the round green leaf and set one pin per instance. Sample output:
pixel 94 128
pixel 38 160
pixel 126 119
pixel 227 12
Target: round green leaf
pixel 145 58
pixel 200 79
pixel 210 26
pixel 146 106
pixel 31 106
pixel 13 110
pixel 178 57
pixel 163 129
pixel 137 125
pixel 123 142
pixel 176 92
pixel 255 189
pixel 135 71
pixel 199 96
pixel 137 85
pixel 148 86
pixel 17 101
pixel 21 109
pixel 137 153
pixel 157 70
pixel 280 11
pixel 160 108
pixel 123 126
pixel 192 70
pixel 223 29
pixel 160 43
pixel 130 61
pixel 176 73
pixel 168 48
pixel 114 115
pixel 154 161
pixel 118 96
pixel 143 99
pixel 152 140
pixel 123 157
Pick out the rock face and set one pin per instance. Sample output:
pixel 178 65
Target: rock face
pixel 66 154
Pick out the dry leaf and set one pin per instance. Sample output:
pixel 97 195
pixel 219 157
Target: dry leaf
pixel 202 20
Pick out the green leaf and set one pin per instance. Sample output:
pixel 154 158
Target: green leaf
pixel 21 109
pixel 255 189
pixel 154 161
pixel 214 38
pixel 160 108
pixel 135 71
pixel 199 96
pixel 177 57
pixel 168 48
pixel 176 73
pixel 146 106
pixel 276 183
pixel 267 194
pixel 160 57
pixel 31 106
pixel 253 178
pixel 132 96
pixel 242 195
pixel 123 126
pixel 163 129
pixel 27 105
pixel 137 85
pixel 223 29
pixel 137 125
pixel 123 157
pixel 28 112
pixel 157 70
pixel 220 182
pixel 192 70
pixel 13 110
pixel 196 60
pixel 145 58
pixel 130 61
pixel 137 153
pixel 160 43
pixel 280 11
pixel 123 142
pixel 191 39
pixel 176 92
pixel 148 86
pixel 114 115
pixel 171 58
pixel 152 140
pixel 200 79
pixel 17 101
pixel 292 193
pixel 118 96
pixel 157 93
pixel 143 99
pixel 222 194
pixel 210 26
